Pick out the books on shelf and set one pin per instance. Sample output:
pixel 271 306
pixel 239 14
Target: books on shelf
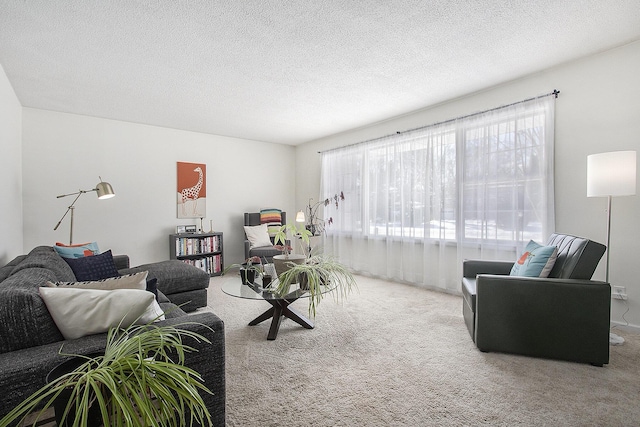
pixel 203 251
pixel 197 245
pixel 211 264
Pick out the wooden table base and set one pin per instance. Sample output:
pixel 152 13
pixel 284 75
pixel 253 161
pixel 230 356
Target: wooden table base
pixel 281 308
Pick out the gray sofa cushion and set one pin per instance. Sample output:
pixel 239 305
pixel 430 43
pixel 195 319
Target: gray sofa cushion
pixel 24 318
pixel 190 300
pixel 171 310
pixel 162 297
pixel 265 252
pixel 6 270
pixel 45 257
pixel 173 276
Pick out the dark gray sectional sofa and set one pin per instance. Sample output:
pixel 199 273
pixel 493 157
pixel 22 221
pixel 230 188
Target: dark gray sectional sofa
pixel 30 340
pixel 181 283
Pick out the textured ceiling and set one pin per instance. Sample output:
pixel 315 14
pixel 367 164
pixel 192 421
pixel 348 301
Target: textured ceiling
pixel 287 71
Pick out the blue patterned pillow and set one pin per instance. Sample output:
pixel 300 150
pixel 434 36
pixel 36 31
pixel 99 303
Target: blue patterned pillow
pixel 537 261
pixel 76 251
pixel 95 267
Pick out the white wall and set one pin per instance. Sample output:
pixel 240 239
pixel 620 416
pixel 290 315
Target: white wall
pixel 64 153
pixel 598 110
pixel 10 171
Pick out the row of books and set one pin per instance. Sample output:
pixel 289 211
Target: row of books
pixel 210 264
pixel 197 245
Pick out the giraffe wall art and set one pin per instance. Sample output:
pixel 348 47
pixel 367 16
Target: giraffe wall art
pixel 192 190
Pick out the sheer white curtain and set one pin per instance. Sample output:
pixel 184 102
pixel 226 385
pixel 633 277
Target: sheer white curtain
pixel 418 203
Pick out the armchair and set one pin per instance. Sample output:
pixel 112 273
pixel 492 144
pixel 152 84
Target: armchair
pixel 565 316
pixel 267 252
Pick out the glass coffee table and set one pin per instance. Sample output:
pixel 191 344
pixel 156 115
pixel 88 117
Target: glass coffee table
pixel 279 304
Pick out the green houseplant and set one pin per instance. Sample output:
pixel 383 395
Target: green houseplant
pixel 141 380
pixel 318 275
pixel 287 259
pixel 249 269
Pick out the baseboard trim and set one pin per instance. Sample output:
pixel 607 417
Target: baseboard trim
pixel 625 327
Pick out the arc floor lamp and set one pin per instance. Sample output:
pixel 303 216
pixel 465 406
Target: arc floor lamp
pixel 104 191
pixel 611 174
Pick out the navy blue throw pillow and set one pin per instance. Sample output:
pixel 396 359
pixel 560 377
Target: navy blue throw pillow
pixel 152 286
pixel 96 267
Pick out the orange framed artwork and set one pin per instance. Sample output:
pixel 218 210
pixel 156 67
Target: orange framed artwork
pixel 192 190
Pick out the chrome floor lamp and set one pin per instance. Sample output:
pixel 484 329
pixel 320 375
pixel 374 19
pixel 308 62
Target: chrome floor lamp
pixel 104 191
pixel 611 174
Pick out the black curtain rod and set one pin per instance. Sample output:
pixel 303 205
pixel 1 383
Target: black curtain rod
pixel 555 93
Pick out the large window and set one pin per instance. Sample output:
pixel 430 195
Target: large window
pixel 485 179
pixel 411 187
pixel 503 191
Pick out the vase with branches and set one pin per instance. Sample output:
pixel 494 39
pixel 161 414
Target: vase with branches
pixel 316 224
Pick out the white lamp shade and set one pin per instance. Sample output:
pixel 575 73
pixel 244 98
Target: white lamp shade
pixel 611 174
pixel 300 217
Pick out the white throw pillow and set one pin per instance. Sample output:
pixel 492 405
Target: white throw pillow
pixel 80 312
pixel 129 281
pixel 153 313
pixel 257 235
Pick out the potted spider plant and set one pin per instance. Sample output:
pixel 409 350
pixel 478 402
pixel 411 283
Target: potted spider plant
pixel 141 377
pixel 318 275
pixel 249 269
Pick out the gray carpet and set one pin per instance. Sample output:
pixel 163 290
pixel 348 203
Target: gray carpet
pixel 397 355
